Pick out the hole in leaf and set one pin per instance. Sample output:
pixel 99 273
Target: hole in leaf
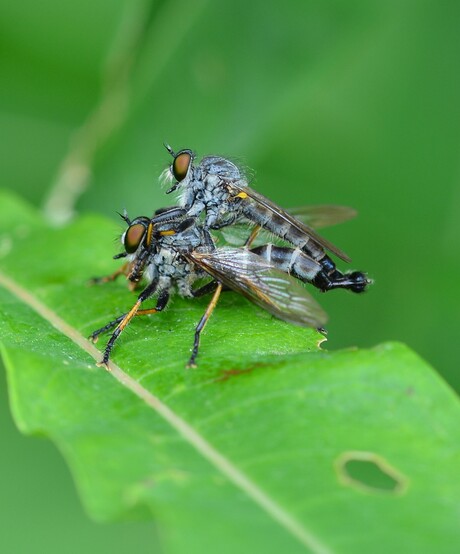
pixel 370 472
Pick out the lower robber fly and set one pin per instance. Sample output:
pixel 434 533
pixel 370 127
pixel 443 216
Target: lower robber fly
pixel 218 187
pixel 173 251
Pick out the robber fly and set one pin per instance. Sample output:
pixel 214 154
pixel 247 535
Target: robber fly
pixel 172 251
pixel 218 187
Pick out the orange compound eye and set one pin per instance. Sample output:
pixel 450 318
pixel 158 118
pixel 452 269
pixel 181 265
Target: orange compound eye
pixel 181 164
pixel 133 237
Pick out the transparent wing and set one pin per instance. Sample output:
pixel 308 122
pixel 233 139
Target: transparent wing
pixel 266 286
pixel 314 216
pixel 324 215
pixel 254 196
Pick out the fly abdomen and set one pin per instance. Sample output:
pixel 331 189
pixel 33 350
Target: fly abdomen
pixel 356 281
pixel 304 268
pixel 290 260
pixel 260 215
pixel 277 225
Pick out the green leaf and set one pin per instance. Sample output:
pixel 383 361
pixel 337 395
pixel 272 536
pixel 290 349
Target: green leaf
pixel 270 445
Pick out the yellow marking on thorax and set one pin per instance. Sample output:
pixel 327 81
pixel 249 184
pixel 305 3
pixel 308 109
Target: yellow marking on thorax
pixel 148 240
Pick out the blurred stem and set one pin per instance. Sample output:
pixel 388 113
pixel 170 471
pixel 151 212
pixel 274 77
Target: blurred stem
pixel 143 43
pixel 74 174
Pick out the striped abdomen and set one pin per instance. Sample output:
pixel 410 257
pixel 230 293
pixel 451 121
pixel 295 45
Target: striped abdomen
pixel 301 266
pixel 290 260
pixel 284 230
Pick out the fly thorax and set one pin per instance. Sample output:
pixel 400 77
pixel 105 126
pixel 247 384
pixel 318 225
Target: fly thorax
pixel 170 263
pixel 184 287
pixel 170 270
pixel 214 189
pixel 184 241
pixel 151 272
pixel 216 165
pixel 186 196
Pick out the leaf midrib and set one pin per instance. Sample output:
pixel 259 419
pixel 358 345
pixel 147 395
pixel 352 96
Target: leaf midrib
pixel 188 433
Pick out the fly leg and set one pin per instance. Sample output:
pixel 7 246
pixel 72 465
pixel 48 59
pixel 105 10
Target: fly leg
pixel 123 270
pixel 205 289
pixel 252 237
pixel 122 321
pixel 94 337
pixel 162 302
pixel 201 325
pixel 214 223
pixel 171 213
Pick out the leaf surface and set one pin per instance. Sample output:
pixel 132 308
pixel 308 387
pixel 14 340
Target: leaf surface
pixel 270 445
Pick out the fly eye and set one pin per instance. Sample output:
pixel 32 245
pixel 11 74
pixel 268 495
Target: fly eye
pixel 181 164
pixel 133 237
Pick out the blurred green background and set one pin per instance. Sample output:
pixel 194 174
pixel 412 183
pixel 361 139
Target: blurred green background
pixel 353 103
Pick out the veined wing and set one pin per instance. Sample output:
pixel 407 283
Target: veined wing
pixel 266 286
pixel 323 215
pixel 313 216
pixel 302 227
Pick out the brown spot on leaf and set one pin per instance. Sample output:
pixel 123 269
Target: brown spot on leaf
pixel 230 373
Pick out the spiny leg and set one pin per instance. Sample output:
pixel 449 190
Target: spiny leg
pixel 118 330
pixel 201 325
pixel 145 294
pixel 95 334
pixel 162 302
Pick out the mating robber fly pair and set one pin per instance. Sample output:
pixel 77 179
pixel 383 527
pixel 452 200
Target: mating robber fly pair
pixel 175 248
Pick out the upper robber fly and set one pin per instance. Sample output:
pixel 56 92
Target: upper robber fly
pixel 172 253
pixel 218 187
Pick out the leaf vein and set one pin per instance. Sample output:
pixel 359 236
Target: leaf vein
pixel 188 433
